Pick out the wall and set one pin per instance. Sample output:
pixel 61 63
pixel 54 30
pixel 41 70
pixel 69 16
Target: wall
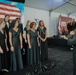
pixel 74 17
pixel 32 14
pixel 50 19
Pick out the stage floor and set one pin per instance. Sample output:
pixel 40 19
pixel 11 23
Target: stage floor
pixel 62 58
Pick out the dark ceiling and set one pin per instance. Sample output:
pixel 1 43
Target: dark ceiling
pixel 21 1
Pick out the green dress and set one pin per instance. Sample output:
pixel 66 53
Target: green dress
pixel 16 57
pixel 43 45
pixel 33 53
pixel 72 41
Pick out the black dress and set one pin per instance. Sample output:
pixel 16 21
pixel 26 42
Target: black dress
pixel 33 53
pixel 43 45
pixel 16 57
pixel 21 27
pixel 3 57
pixel 72 41
pixel 7 27
pixel 25 47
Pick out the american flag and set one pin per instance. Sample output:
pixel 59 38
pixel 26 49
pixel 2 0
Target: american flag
pixel 13 11
pixel 59 24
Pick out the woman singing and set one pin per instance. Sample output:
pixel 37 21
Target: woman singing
pixel 42 34
pixel 15 38
pixel 33 43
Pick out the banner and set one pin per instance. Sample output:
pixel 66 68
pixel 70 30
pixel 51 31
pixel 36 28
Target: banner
pixel 62 26
pixel 13 9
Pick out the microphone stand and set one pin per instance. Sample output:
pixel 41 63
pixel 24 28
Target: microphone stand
pixel 44 67
pixel 40 63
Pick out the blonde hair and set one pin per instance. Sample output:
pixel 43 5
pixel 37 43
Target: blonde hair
pixel 1 21
pixel 27 23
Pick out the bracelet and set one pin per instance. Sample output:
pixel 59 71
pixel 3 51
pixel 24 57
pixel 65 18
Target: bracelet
pixel 11 45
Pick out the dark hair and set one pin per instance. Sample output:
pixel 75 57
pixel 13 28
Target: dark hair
pixel 40 22
pixel 7 15
pixel 31 24
pixel 18 18
pixel 13 23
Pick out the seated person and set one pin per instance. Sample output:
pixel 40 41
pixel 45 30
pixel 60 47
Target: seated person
pixel 62 35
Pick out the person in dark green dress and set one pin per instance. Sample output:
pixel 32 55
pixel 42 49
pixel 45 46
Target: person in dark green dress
pixel 15 38
pixel 33 44
pixel 42 33
pixel 3 48
pixel 26 28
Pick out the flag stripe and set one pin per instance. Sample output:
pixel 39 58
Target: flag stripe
pixel 10 10
pixel 7 12
pixel 10 14
pixel 14 17
pixel 7 4
pixel 13 8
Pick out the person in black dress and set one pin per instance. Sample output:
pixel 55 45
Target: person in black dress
pixel 15 38
pixel 3 48
pixel 70 26
pixel 33 43
pixel 7 27
pixel 7 24
pixel 42 33
pixel 26 28
pixel 73 24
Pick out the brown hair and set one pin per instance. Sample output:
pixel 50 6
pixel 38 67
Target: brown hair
pixel 40 22
pixel 31 24
pixel 13 23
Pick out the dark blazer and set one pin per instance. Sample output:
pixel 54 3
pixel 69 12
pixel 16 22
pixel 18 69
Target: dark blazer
pixel 21 27
pixel 69 27
pixel 6 28
pixel 7 32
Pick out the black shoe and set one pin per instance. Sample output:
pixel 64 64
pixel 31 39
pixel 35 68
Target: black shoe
pixel 36 71
pixel 29 73
pixel 51 65
pixel 44 68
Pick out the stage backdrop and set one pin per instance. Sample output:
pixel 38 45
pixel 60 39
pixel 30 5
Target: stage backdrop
pixel 62 25
pixel 14 9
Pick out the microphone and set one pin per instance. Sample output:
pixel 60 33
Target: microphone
pixel 37 20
